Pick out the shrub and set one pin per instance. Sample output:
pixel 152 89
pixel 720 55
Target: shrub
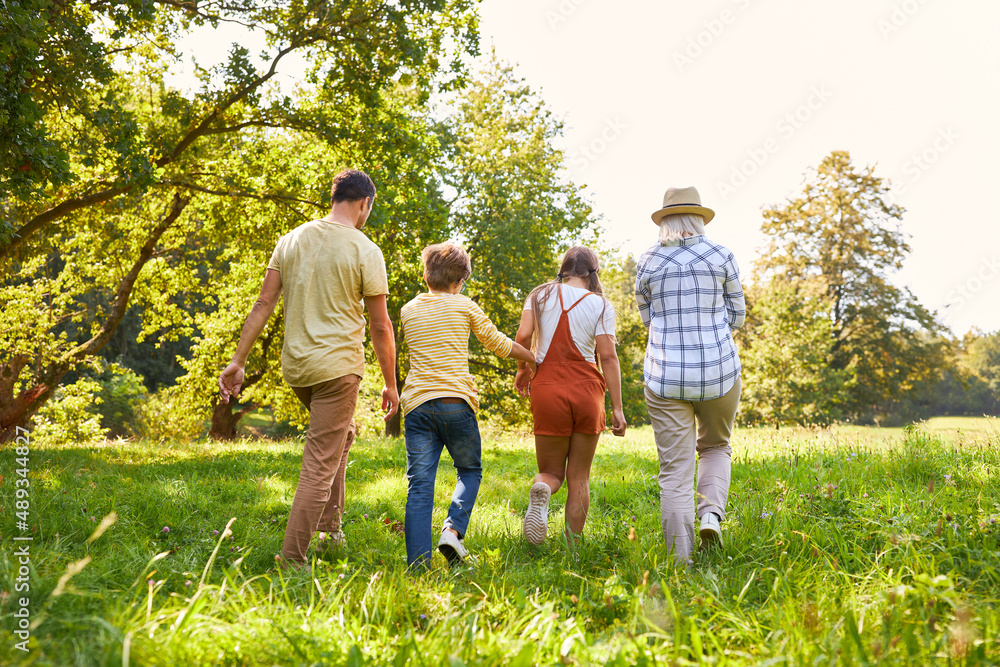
pixel 121 393
pixel 71 415
pixel 165 415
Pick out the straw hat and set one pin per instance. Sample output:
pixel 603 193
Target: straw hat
pixel 682 200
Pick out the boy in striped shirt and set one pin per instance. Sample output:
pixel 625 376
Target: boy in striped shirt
pixel 440 400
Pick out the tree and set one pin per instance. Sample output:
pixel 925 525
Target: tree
pixel 116 179
pixel 786 350
pixel 844 235
pixel 514 209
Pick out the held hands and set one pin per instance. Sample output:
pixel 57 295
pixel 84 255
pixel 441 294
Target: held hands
pixel 522 380
pixel 230 381
pixel 390 402
pixel 618 424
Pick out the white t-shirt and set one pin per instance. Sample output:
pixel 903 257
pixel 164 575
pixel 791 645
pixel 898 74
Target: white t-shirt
pixel 585 321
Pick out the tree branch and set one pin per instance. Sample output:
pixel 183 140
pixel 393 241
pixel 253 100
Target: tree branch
pixel 58 211
pixel 237 193
pixel 120 305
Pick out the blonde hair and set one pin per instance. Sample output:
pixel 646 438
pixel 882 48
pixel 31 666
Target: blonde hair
pixel 445 264
pixel 680 226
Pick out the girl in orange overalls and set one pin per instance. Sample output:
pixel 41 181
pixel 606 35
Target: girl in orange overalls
pixel 569 325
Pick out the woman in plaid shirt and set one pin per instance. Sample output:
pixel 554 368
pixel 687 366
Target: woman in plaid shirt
pixel 690 299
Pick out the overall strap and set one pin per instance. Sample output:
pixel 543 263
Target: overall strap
pixel 566 310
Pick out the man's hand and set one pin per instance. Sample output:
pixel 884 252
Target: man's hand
pixel 390 402
pixel 522 380
pixel 230 381
pixel 618 424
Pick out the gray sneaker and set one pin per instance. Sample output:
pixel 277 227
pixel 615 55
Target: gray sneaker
pixel 452 547
pixel 710 530
pixel 536 519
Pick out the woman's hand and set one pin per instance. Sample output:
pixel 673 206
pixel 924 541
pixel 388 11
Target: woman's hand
pixel 618 423
pixel 522 381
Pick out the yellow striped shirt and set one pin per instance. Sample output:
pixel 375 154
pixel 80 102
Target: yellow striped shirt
pixel 436 331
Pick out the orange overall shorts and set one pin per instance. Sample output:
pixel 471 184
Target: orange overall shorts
pixel 567 392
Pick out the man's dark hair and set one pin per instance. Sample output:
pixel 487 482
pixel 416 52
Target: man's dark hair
pixel 352 185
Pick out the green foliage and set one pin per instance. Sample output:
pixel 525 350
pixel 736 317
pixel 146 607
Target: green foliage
pixel 514 210
pixel 618 279
pixel 121 394
pixel 837 243
pixel 786 352
pixel 166 415
pixel 843 545
pixel 71 416
pixel 150 185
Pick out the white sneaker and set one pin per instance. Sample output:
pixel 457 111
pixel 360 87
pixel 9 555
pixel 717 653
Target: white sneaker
pixel 336 539
pixel 536 518
pixel 452 547
pixel 710 531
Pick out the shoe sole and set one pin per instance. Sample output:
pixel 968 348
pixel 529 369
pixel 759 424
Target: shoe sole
pixel 449 552
pixel 535 526
pixel 710 537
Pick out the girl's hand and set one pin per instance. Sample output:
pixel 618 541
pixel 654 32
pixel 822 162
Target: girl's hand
pixel 522 381
pixel 618 423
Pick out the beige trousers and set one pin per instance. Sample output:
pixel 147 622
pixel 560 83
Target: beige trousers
pixel 319 496
pixel 677 441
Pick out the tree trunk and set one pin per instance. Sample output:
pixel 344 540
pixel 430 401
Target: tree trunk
pixel 225 420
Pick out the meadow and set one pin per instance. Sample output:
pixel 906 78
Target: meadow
pixel 847 545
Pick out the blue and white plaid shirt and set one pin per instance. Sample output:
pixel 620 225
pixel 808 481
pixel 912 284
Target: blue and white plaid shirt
pixel 690 299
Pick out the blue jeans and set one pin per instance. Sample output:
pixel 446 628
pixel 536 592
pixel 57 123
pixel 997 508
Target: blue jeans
pixel 430 427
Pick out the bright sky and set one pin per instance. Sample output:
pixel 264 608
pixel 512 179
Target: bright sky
pixel 740 97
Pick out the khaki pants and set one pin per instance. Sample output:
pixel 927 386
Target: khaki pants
pixel 677 441
pixel 319 496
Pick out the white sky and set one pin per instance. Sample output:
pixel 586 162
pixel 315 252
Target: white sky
pixel 891 81
pixel 740 97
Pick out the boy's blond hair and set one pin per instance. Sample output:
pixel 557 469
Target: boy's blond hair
pixel 445 264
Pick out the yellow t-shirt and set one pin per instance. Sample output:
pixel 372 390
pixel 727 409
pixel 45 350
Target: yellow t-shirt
pixel 436 331
pixel 326 271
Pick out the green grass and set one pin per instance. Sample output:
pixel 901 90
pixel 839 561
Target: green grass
pixel 843 546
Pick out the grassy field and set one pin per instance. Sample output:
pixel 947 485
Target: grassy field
pixel 843 546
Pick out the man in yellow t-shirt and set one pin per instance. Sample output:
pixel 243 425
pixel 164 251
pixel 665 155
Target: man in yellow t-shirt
pixel 329 272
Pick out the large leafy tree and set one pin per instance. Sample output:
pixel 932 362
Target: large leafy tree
pixel 112 182
pixel 844 236
pixel 513 207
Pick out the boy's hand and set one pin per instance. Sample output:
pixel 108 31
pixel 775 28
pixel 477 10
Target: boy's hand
pixel 522 381
pixel 230 381
pixel 618 423
pixel 390 402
